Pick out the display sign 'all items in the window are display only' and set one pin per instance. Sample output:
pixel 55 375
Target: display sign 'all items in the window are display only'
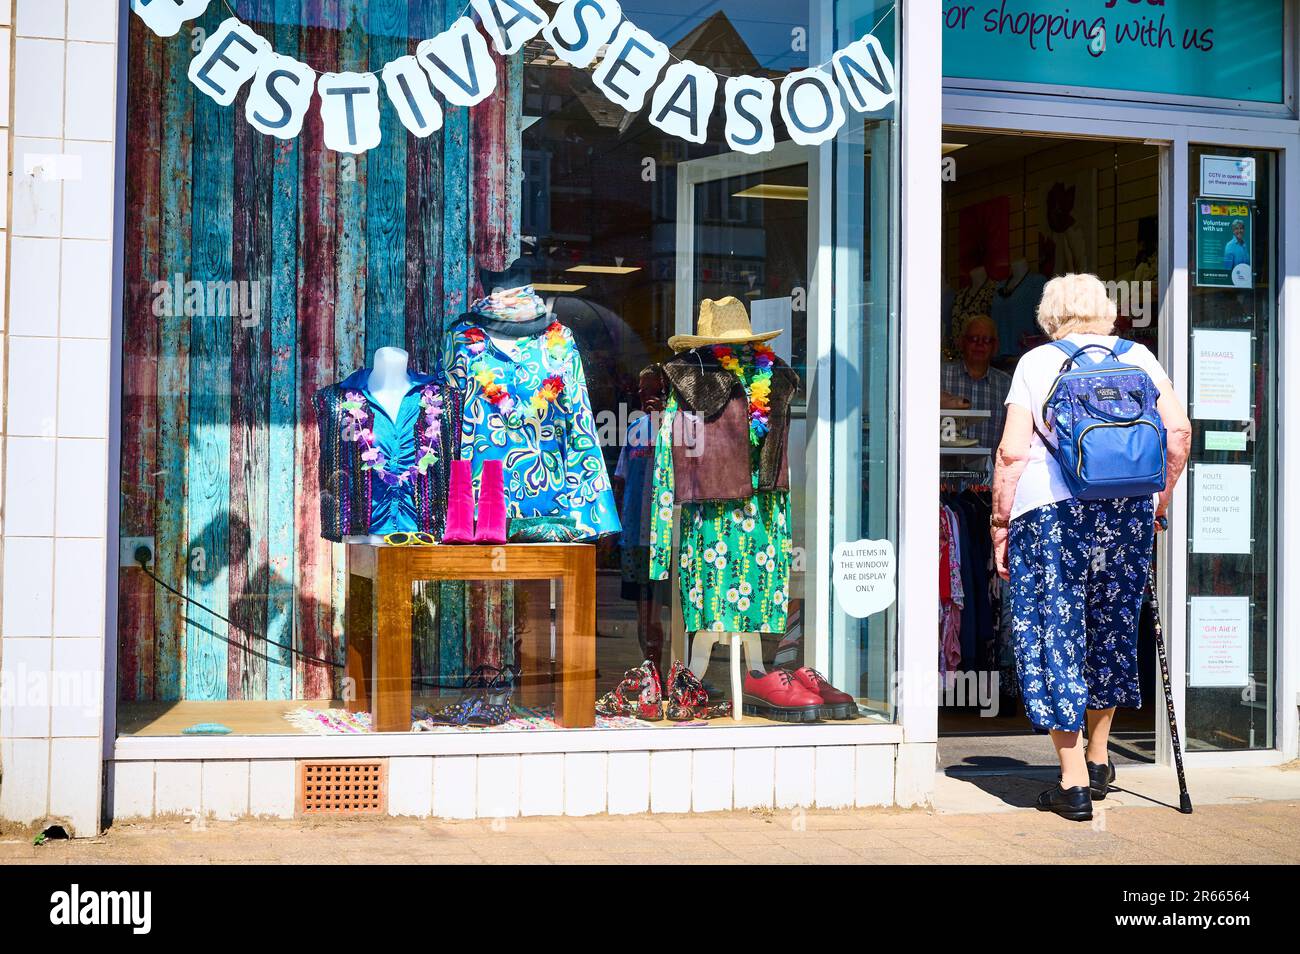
pixel 456 67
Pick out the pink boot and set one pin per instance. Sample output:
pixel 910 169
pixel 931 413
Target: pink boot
pixel 460 505
pixel 491 504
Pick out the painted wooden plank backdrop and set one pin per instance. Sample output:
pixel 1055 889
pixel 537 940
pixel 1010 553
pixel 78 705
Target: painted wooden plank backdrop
pixel 347 254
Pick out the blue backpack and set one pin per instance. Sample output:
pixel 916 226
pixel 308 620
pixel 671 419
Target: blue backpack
pixel 1109 439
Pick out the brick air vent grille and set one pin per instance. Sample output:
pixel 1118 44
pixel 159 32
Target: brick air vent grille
pixel 343 787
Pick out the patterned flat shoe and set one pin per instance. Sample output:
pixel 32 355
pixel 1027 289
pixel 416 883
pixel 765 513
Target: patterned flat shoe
pixel 688 699
pixel 639 695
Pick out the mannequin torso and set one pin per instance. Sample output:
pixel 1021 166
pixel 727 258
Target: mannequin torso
pixel 389 380
pixel 388 384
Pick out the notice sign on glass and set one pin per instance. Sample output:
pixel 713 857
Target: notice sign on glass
pixel 1221 375
pixel 1221 508
pixel 1223 244
pixel 1228 177
pixel 1220 641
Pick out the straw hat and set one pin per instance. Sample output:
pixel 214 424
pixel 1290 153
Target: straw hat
pixel 724 321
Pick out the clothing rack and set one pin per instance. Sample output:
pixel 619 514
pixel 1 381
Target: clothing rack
pixel 964 478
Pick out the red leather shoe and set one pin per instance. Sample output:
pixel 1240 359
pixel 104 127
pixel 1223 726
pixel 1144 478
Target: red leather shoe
pixel 778 695
pixel 835 704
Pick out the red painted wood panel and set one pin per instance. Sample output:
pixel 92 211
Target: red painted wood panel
pixel 320 327
pixel 318 249
pixel 250 375
pixel 135 656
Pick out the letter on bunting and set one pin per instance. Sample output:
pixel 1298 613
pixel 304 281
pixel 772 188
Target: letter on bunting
pixel 810 106
pixel 165 17
pixel 579 28
pixel 280 96
pixel 630 67
pixel 349 108
pixel 749 101
pixel 510 23
pixel 866 76
pixel 459 64
pixel 228 60
pixel 408 90
pixel 683 101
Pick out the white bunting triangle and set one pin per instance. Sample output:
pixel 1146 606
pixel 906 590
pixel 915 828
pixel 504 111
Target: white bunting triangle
pixel 456 67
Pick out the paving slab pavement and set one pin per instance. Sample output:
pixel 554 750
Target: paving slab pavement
pixel 1241 816
pixel 1137 785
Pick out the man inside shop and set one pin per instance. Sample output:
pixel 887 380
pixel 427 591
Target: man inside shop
pixel 975 381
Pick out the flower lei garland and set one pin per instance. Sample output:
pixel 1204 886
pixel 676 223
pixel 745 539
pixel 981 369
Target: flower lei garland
pixel 556 345
pixel 759 387
pixel 372 458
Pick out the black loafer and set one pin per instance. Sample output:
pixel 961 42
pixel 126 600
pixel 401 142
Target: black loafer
pixel 1100 778
pixel 1073 803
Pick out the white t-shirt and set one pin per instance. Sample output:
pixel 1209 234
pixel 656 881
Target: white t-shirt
pixel 1041 482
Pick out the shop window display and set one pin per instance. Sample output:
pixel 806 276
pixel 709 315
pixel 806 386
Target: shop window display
pixel 474 341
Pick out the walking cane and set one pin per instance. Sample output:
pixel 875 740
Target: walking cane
pixel 1184 800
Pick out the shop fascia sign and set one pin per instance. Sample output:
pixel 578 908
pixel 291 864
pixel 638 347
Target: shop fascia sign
pixel 457 66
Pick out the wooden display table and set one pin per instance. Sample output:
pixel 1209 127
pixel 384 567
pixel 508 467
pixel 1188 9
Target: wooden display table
pixel 379 621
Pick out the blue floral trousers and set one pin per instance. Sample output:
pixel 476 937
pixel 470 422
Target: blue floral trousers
pixel 1078 572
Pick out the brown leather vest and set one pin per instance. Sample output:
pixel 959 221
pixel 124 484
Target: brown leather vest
pixel 711 449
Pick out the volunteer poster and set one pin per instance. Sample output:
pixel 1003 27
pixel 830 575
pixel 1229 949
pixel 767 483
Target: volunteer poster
pixel 1221 508
pixel 1221 375
pixel 1224 247
pixel 1220 641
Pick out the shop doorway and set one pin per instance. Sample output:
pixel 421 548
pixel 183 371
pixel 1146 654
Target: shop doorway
pixel 1018 210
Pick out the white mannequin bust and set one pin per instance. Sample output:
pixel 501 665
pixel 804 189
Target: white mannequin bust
pixel 1019 269
pixel 978 276
pixel 390 379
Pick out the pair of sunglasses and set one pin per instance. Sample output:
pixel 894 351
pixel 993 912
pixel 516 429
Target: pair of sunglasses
pixel 404 539
pixel 981 339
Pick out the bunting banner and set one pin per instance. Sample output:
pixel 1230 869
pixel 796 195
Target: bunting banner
pixel 456 67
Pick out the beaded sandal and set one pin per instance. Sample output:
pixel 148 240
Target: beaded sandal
pixel 485 700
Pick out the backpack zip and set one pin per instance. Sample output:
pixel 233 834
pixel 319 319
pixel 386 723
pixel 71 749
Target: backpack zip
pixel 1078 468
pixel 1127 368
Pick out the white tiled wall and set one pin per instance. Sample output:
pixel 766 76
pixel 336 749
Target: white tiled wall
pixel 56 322
pixel 552 783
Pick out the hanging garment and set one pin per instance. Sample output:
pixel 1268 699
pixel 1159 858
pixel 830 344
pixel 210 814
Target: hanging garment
pixel 1014 310
pixel 528 407
pixel 734 573
pixel 714 454
pixel 379 474
pixel 950 609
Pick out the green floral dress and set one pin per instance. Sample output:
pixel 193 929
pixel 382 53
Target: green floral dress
pixel 735 555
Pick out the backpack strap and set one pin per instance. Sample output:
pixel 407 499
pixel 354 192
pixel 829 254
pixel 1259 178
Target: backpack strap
pixel 1121 346
pixel 1069 347
pixel 1081 355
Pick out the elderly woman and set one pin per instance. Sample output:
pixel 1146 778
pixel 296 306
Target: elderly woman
pixel 1077 567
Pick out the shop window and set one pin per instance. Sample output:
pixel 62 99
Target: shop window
pixel 263 276
pixel 1231 513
